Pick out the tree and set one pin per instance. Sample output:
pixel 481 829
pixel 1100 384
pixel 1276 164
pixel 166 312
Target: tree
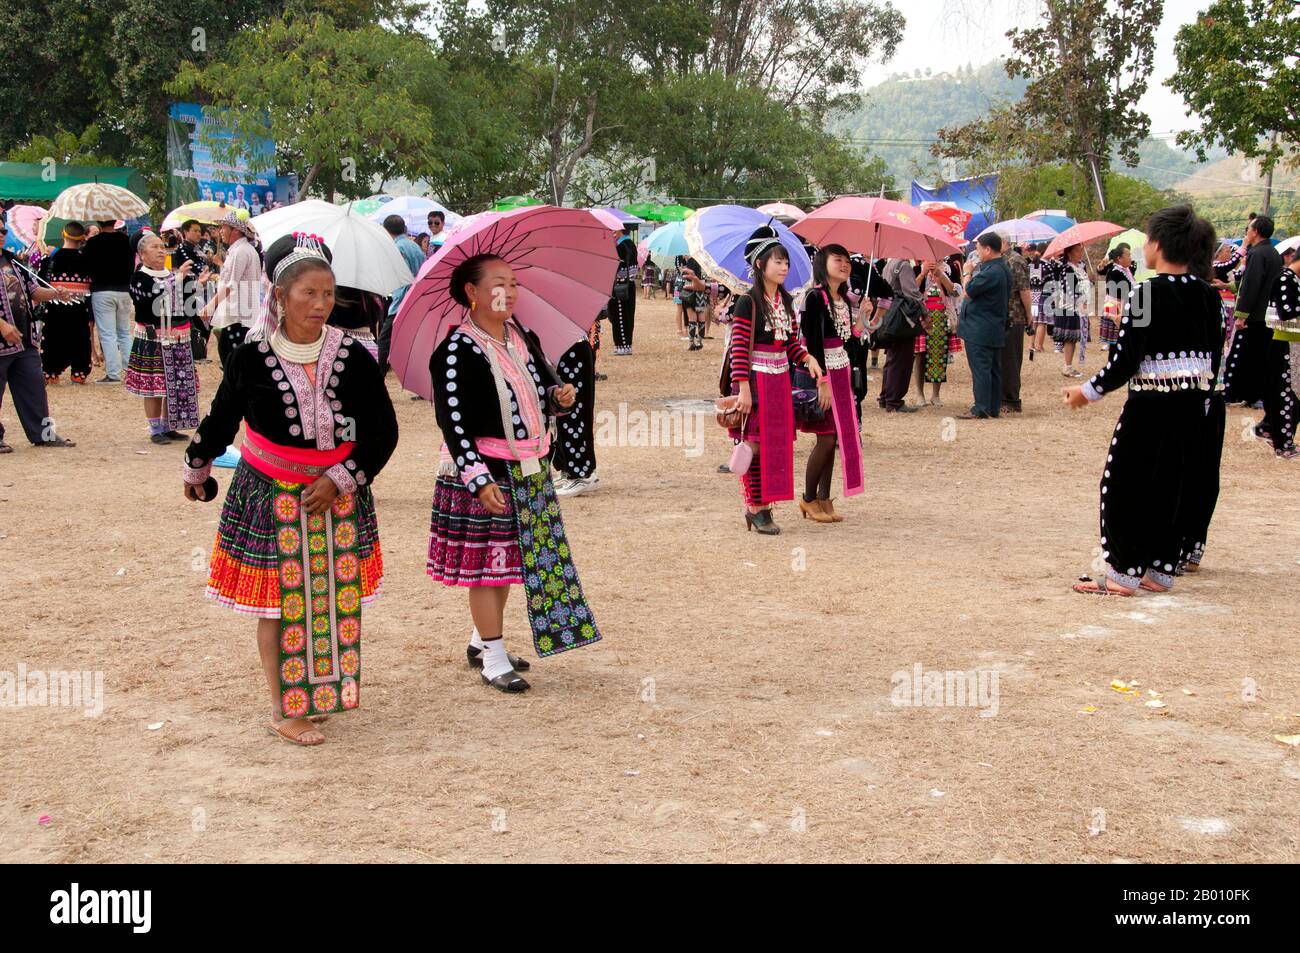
pixel 65 148
pixel 806 54
pixel 1238 70
pixel 341 105
pixel 1087 63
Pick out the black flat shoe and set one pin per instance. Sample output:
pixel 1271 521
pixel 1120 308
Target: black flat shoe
pixel 176 435
pixel 475 656
pixel 159 438
pixel 763 522
pixel 507 682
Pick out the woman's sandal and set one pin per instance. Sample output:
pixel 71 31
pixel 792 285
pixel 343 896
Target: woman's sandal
pixel 475 656
pixel 294 736
pixel 1086 586
pixel 5 448
pixel 507 682
pixel 1153 587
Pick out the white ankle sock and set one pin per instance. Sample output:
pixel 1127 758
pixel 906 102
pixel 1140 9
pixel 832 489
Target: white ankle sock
pixel 476 640
pixel 495 660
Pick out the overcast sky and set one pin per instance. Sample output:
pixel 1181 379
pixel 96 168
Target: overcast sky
pixel 942 34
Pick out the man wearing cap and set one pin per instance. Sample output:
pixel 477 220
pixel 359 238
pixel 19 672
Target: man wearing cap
pixel 234 307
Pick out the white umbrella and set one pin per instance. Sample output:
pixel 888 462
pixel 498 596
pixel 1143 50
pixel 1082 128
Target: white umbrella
pixel 97 202
pixel 364 254
pixel 1288 244
pixel 415 212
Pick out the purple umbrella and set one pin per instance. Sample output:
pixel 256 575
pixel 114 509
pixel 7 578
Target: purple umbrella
pixel 624 217
pixel 716 236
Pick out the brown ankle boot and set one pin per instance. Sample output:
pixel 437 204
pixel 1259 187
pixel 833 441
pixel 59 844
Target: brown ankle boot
pixel 829 510
pixel 813 511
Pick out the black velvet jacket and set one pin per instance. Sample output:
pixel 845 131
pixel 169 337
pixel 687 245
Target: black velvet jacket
pixel 348 402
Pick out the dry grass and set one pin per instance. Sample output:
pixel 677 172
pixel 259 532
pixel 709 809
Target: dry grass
pixel 771 686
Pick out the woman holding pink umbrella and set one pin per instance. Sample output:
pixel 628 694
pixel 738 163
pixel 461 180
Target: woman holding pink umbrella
pixel 496 521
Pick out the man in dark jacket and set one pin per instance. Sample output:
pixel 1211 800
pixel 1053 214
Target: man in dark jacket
pixel 983 326
pixel 1259 358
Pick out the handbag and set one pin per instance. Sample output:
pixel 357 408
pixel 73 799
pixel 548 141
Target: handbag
pixel 803 391
pixel 902 322
pixel 742 455
pixel 728 414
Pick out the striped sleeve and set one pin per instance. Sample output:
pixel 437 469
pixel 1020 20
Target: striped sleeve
pixel 742 339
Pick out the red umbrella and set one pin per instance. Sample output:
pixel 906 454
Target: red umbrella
pixel 1081 234
pixel 950 218
pixel 563 258
pixel 880 228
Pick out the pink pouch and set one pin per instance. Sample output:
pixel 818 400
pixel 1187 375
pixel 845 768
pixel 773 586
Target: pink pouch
pixel 741 457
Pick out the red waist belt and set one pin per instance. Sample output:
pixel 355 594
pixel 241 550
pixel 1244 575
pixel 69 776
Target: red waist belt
pixel 290 464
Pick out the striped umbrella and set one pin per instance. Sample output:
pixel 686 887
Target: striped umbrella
pixel 97 202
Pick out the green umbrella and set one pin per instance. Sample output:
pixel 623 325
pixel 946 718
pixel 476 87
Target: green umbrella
pixel 675 213
pixel 1135 240
pixel 646 210
pixel 364 207
pixel 512 202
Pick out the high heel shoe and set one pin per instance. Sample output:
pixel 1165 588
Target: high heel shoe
pixel 813 511
pixel 763 522
pixel 828 509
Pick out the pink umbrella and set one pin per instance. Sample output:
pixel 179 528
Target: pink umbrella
pixel 877 227
pixel 564 261
pixel 783 210
pixel 1081 234
pixel 23 221
pixel 642 252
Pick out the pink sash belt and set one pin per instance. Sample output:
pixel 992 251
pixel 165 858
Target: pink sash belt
pixel 290 464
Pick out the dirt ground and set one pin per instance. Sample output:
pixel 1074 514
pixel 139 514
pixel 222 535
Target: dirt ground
pixel 740 705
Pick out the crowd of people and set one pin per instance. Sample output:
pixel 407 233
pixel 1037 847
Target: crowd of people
pixel 303 362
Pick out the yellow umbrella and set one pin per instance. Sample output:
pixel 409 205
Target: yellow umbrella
pixel 1135 240
pixel 204 212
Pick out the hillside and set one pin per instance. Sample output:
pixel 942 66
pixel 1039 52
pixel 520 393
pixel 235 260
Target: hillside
pixel 899 118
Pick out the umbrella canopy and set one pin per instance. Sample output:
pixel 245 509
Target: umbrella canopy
pixel 414 211
pixel 97 202
pixel 513 202
pixel 564 261
pixel 1081 234
pixel 365 256
pixel 665 244
pixel 672 213
pixel 624 217
pixel 951 218
pixel 24 225
pixel 879 228
pixel 1022 230
pixel 717 235
pixel 641 209
pixel 1135 240
pixel 208 213
pixel 1058 223
pixel 1288 243
pixel 783 210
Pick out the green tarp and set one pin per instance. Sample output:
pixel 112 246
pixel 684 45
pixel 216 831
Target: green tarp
pixel 37 182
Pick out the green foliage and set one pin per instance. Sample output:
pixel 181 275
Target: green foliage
pixel 1056 185
pixel 65 148
pixel 341 105
pixel 1238 70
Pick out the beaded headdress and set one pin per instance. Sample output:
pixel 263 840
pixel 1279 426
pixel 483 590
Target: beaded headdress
pixel 306 246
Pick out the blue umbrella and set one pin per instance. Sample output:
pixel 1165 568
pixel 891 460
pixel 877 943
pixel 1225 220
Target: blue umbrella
pixel 716 236
pixel 666 243
pixel 1058 222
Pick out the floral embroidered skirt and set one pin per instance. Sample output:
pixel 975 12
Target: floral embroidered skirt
pixel 244 572
pixel 936 343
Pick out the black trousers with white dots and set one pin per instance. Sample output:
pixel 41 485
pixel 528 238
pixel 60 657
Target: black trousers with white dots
pixel 575 445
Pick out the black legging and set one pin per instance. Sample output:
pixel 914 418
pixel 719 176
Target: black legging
pixel 575 444
pixel 821 466
pixel 622 315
